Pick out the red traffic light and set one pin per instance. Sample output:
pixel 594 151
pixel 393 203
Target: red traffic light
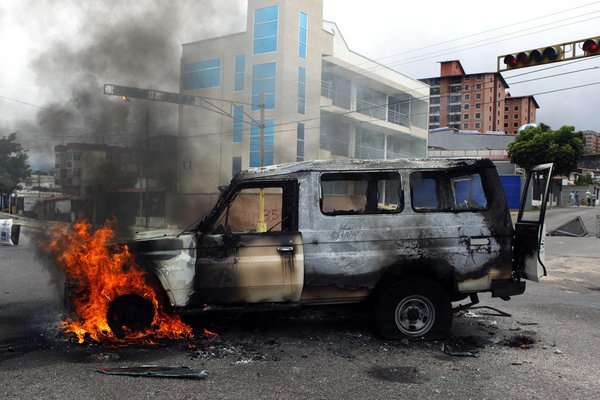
pixel 533 57
pixel 510 61
pixel 591 46
pixel 552 53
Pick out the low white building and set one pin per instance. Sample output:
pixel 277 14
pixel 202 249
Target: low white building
pixel 321 100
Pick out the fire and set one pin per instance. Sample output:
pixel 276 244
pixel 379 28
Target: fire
pixel 102 273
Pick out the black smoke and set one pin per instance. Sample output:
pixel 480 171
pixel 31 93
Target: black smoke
pixel 124 42
pixel 129 43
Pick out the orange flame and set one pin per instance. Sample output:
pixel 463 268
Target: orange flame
pixel 101 274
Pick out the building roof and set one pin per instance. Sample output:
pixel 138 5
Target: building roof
pixel 523 97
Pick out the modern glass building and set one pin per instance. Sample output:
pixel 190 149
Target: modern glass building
pixel 321 100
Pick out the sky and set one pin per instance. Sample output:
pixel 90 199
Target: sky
pixel 55 53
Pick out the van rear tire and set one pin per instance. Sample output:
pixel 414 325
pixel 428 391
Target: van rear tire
pixel 416 309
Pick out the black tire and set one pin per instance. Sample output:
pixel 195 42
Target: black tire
pixel 416 309
pixel 129 313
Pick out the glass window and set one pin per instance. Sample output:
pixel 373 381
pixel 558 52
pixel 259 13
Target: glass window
pixel 369 144
pixel 269 144
pixel 202 74
pixel 240 66
pixel 265 29
pixel 355 193
pixel 301 90
pixel 300 142
pixel 335 137
pixel 467 192
pixel 303 22
pixel 263 82
pixel 424 192
pixel 238 123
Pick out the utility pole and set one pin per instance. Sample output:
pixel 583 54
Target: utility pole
pixel 261 226
pixel 145 155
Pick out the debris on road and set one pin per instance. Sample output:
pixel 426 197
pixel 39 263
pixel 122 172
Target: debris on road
pixel 573 228
pixel 155 371
pixel 464 353
pixel 522 341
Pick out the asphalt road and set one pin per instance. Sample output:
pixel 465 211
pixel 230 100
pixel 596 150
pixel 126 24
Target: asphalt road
pixel 546 349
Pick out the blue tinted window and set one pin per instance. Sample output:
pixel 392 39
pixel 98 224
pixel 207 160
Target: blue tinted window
pixel 424 192
pixel 240 66
pixel 264 81
pixel 266 25
pixel 468 193
pixel 202 74
pixel 238 123
pixel 255 143
pixel 301 90
pixel 300 142
pixel 303 22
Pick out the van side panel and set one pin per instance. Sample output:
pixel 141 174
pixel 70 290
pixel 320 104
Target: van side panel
pixel 354 251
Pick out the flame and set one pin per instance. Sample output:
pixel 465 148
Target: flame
pixel 101 273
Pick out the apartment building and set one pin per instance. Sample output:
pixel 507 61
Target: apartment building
pixel 293 73
pixel 476 102
pixel 518 111
pixel 592 142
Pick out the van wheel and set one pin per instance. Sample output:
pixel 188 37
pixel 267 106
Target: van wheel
pixel 129 314
pixel 415 309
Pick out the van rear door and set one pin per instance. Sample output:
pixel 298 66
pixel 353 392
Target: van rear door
pixel 528 247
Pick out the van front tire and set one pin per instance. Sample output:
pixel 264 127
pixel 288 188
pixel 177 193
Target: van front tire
pixel 416 309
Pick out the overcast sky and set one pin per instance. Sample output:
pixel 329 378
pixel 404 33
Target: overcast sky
pixel 411 37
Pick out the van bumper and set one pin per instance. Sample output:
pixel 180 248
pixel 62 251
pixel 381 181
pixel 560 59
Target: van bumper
pixel 507 288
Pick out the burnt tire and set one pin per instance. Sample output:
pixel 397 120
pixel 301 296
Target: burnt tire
pixel 415 309
pixel 129 313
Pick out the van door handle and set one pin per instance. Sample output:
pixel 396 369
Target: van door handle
pixel 285 249
pixel 479 241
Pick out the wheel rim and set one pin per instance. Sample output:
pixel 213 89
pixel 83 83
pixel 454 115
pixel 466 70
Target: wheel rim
pixel 415 315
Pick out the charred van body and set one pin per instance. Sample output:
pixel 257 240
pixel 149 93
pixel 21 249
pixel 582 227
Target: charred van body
pixel 411 235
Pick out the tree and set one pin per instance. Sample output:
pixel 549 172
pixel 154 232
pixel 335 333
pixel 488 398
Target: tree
pixel 13 164
pixel 540 145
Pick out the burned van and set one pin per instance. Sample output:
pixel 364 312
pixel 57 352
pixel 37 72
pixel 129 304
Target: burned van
pixel 410 236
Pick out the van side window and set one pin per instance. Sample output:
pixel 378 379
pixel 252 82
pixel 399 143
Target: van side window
pixel 468 193
pixel 280 209
pixel 424 192
pixel 446 191
pixel 349 193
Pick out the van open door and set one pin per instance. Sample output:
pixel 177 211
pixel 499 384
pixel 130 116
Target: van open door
pixel 529 230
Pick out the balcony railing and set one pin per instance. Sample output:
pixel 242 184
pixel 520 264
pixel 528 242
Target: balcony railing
pixel 370 109
pixel 378 111
pixel 338 99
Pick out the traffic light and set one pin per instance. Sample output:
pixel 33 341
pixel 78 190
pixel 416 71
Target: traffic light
pixel 591 47
pixel 533 57
pixel 559 52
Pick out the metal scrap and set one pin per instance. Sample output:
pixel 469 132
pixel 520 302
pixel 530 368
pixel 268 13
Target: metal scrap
pixel 465 353
pixel 156 371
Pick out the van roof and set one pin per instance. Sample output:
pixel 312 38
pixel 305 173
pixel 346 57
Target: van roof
pixel 362 165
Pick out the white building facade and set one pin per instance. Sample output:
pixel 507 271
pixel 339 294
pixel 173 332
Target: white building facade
pixel 321 100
